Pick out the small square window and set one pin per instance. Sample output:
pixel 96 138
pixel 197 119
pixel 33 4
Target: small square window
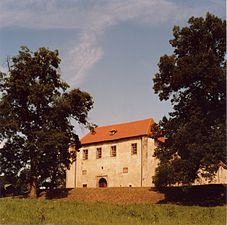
pixel 134 149
pixel 85 154
pixel 84 172
pixel 84 185
pixel 98 153
pixel 125 170
pixel 113 151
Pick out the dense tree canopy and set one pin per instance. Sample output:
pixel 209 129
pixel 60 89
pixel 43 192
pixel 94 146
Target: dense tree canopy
pixel 36 112
pixel 193 79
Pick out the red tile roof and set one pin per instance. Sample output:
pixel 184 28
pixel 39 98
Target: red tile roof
pixel 118 131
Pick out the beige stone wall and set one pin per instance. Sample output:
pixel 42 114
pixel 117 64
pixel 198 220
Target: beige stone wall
pixel 220 178
pixel 111 168
pixel 71 176
pixel 149 162
pixel 71 173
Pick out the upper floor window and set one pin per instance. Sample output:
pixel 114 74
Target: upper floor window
pixel 85 154
pixel 98 153
pixel 134 149
pixel 113 151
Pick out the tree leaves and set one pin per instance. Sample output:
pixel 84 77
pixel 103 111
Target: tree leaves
pixel 35 117
pixel 193 79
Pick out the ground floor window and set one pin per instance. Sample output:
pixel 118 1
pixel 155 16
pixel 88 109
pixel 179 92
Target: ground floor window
pixel 125 170
pixel 84 172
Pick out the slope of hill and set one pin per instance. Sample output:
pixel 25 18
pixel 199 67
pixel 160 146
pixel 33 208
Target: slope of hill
pixel 111 195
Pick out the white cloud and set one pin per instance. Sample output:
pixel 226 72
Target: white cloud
pixel 80 58
pixel 91 19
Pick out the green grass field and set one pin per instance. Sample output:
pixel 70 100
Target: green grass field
pixel 25 211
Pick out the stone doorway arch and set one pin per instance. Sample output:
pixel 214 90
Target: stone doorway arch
pixel 102 182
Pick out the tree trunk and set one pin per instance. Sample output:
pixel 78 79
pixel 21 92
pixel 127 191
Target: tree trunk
pixel 33 176
pixel 33 187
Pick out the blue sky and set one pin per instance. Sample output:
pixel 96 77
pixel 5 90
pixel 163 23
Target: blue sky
pixel 108 48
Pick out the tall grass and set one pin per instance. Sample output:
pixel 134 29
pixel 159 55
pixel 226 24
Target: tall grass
pixel 25 211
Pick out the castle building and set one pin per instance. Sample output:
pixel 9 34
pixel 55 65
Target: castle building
pixel 119 155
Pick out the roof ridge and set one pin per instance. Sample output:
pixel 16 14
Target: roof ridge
pixel 151 119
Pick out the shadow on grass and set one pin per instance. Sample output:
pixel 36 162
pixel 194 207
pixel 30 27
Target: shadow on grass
pixel 56 193
pixel 201 195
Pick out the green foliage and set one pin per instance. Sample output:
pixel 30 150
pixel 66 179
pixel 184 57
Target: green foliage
pixel 24 211
pixel 193 79
pixel 35 117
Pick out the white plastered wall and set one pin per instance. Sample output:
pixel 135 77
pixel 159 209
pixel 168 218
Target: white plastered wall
pixel 111 168
pixel 141 167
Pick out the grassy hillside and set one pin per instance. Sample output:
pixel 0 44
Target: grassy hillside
pixel 25 211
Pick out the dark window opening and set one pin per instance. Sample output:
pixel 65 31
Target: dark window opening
pixel 113 151
pixel 125 170
pixel 85 154
pixel 134 149
pixel 102 182
pixel 98 153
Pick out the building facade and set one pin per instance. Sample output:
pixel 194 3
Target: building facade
pixel 119 155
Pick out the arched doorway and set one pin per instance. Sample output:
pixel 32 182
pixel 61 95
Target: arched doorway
pixel 102 182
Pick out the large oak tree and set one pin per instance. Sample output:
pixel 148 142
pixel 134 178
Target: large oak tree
pixel 36 112
pixel 194 80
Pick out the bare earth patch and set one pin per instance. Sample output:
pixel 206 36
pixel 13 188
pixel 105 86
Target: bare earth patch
pixel 113 195
pixel 201 195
